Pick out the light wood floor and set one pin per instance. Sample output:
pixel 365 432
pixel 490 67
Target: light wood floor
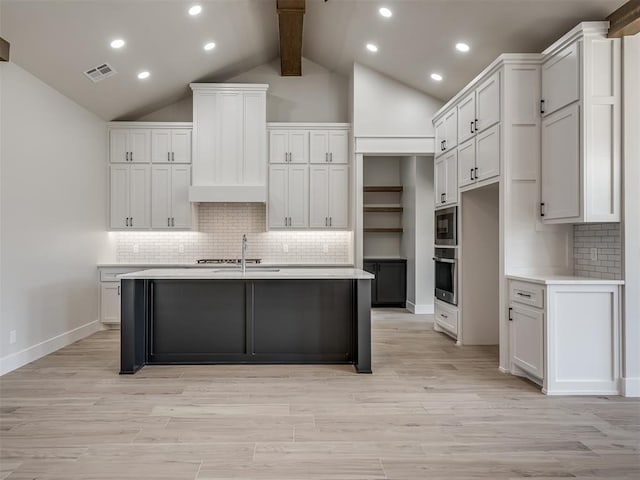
pixel 430 411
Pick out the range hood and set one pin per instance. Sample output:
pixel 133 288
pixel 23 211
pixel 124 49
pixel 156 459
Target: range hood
pixel 229 143
pixel 228 193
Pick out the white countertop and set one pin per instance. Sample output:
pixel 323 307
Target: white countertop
pixel 554 279
pixel 251 274
pixel 223 265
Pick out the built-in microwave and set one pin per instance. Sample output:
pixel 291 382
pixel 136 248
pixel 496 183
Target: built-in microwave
pixel 445 228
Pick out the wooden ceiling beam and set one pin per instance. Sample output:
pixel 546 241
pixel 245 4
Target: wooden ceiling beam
pixel 4 50
pixel 290 19
pixel 625 20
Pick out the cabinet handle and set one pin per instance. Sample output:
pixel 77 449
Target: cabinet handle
pixel 542 209
pixel 168 157
pixel 475 124
pixel 443 315
pixel 445 144
pixel 173 222
pixel 168 222
pixel 476 173
pixel 331 221
pixel 289 221
pixel 510 317
pixel 331 157
pixel 542 106
pixel 126 220
pixel 285 221
pixel 525 295
pixel 471 174
pixel 326 221
pixel 173 156
pixel 131 156
pixel 118 290
pixel 471 126
pixel 326 157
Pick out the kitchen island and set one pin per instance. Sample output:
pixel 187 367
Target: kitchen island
pixel 260 316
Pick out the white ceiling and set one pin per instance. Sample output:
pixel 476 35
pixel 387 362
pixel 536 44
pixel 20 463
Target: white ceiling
pixel 57 40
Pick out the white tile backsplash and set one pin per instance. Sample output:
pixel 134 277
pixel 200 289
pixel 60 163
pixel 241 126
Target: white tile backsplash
pixel 219 234
pixel 605 238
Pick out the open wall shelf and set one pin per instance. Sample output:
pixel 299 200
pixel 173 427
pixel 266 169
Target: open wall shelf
pixel 383 208
pixel 383 188
pixel 382 230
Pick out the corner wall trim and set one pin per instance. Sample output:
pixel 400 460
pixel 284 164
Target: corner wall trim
pixel 39 350
pixel 631 387
pixel 420 309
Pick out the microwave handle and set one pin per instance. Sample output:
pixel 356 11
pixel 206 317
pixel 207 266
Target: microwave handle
pixel 444 260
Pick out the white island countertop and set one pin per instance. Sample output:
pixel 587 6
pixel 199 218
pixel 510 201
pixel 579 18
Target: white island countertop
pixel 554 279
pixel 252 273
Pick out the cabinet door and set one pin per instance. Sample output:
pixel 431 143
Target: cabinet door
pixel 119 195
pixel 228 168
pixel 180 205
pixel 488 102
pixel 526 333
pixel 160 146
pixel 140 145
pixel 372 267
pixel 252 161
pixel 319 196
pixel 441 136
pixel 299 146
pixel 161 196
pixel 451 129
pixel 110 302
pixel 561 79
pixel 451 165
pixel 392 281
pixel 440 178
pixel 118 145
pixel 180 146
pixel 466 117
pixel 298 197
pixel 339 196
pixel 467 163
pixel 278 146
pixel 560 169
pixel 339 147
pixel 318 146
pixel 488 153
pixel 140 196
pixel 278 194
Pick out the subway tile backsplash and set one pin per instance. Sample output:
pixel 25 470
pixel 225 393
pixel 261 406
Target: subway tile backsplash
pixel 220 229
pixel 605 237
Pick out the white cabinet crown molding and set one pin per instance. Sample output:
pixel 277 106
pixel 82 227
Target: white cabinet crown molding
pixel 308 126
pixel 174 125
pixel 245 87
pixel 580 30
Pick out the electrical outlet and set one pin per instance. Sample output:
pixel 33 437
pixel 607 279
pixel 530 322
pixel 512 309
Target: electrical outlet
pixel 12 336
pixel 285 248
pixel 136 248
pixel 325 248
pixel 181 248
pixel 594 254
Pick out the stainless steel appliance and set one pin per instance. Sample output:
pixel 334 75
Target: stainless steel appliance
pixel 446 227
pixel 446 269
pixel 229 261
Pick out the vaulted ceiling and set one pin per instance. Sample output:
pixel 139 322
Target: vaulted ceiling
pixel 57 40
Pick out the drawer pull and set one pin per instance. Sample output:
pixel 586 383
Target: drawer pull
pixel 525 295
pixel 443 315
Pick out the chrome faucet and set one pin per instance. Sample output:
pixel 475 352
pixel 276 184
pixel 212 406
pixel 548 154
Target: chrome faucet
pixel 243 261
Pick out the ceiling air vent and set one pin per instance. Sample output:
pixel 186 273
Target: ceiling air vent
pixel 100 72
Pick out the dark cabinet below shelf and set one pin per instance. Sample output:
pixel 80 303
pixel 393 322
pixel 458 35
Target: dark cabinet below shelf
pixel 389 288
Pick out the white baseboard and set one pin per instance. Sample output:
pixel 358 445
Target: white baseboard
pixel 631 387
pixel 420 309
pixel 28 355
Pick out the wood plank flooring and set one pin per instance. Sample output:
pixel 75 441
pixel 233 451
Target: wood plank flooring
pixel 431 411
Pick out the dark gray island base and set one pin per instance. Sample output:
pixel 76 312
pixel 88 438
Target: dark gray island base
pixel 168 321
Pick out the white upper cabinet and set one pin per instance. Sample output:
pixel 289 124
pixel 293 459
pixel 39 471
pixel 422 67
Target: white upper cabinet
pixel 319 196
pixel 130 145
pixel 298 196
pixel 446 179
pixel 171 208
pixel 447 132
pixel 288 146
pixel 119 196
pixel 466 163
pixel 339 196
pixel 289 196
pixel 561 79
pixel 488 103
pixel 229 143
pixel 328 146
pixel 278 196
pixel 161 196
pixel 466 117
pixel 170 146
pixel 130 196
pixel 581 128
pixel 329 196
pixel 488 154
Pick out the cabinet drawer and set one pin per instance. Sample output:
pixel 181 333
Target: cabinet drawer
pixel 111 274
pixel 528 293
pixel 446 316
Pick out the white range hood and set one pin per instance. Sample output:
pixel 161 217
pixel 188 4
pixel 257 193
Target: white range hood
pixel 229 143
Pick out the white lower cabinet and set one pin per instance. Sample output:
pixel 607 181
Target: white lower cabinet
pixel 110 302
pixel 566 336
pixel 171 208
pixel 446 318
pixel 288 196
pixel 329 196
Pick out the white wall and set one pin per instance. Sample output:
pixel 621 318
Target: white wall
pixel 318 96
pixel 631 149
pixel 384 106
pixel 53 214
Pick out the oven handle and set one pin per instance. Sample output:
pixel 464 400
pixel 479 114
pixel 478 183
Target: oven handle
pixel 444 260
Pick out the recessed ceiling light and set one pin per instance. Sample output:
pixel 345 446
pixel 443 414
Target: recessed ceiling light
pixel 117 43
pixel 143 75
pixel 436 76
pixel 209 46
pixel 372 48
pixel 385 12
pixel 462 47
pixel 195 10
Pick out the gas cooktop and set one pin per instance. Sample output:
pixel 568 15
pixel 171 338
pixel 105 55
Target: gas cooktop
pixel 229 261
